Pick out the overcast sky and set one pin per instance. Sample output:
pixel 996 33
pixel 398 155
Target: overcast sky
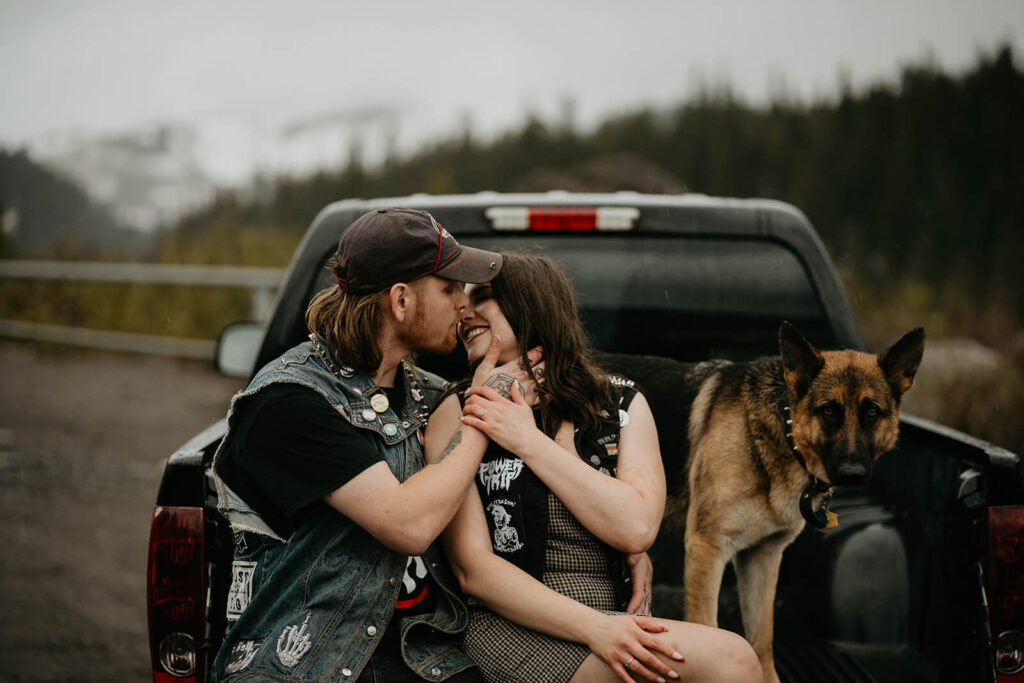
pixel 112 65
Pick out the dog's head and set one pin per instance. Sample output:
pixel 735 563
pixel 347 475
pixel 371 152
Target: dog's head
pixel 845 404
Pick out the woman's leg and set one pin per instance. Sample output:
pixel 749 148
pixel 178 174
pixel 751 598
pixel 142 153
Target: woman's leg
pixel 712 655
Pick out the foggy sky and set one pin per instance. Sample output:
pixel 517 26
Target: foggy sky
pixel 104 66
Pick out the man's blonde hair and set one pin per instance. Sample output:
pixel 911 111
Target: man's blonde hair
pixel 350 324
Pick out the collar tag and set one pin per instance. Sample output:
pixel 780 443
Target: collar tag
pixel 821 519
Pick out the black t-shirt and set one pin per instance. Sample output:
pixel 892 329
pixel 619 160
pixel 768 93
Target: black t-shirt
pixel 289 448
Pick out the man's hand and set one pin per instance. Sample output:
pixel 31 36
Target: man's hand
pixel 641 574
pixel 487 364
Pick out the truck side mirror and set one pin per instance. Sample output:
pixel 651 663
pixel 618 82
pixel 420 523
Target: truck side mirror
pixel 237 347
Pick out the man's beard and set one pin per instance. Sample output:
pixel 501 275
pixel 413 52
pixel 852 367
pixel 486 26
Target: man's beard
pixel 418 338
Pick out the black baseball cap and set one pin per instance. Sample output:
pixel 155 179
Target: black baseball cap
pixel 392 245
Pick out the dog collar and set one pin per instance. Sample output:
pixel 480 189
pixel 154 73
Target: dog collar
pixel 821 519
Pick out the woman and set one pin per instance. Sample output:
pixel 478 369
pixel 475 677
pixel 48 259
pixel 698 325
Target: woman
pixel 565 489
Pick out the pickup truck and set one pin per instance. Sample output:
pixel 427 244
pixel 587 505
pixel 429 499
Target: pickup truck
pixel 922 581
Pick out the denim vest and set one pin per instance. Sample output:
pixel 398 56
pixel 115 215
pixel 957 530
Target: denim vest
pixel 314 606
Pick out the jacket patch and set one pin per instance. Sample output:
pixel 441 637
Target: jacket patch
pixel 414 584
pixel 241 545
pixel 293 643
pixel 498 474
pixel 242 655
pixel 240 592
pixel 506 538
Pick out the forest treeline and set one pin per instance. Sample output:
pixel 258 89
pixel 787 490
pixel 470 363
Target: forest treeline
pixel 43 213
pixel 908 181
pixel 912 185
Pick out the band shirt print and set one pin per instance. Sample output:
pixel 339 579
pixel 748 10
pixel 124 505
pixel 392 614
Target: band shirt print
pixel 496 476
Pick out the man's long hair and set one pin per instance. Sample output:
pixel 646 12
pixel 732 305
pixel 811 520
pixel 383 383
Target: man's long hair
pixel 350 324
pixel 537 300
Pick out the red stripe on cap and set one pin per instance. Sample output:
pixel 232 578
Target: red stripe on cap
pixel 440 243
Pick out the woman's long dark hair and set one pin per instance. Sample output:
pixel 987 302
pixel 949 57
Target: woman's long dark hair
pixel 537 300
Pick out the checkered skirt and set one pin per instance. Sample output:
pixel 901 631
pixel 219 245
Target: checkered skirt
pixel 576 565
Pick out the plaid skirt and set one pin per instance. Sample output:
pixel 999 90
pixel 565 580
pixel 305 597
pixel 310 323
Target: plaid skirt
pixel 576 564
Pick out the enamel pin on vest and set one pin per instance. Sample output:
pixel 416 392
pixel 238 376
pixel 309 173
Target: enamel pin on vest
pixel 379 402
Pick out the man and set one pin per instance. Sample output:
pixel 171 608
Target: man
pixel 321 473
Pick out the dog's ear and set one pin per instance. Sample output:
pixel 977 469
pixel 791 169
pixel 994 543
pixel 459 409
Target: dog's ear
pixel 900 361
pixel 800 361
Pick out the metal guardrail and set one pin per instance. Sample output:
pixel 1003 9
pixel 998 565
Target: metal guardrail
pixel 144 273
pixel 150 344
pixel 262 282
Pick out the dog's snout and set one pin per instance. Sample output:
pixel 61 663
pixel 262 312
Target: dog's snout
pixel 852 473
pixel 852 469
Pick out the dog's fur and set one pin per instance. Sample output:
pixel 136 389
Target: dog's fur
pixel 740 497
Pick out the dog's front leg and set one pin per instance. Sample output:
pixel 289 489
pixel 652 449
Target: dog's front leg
pixel 757 573
pixel 704 565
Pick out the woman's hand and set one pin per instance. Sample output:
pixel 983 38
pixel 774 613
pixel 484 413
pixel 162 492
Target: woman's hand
pixel 509 424
pixel 625 643
pixel 641 574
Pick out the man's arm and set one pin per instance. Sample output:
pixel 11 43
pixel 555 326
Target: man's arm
pixel 407 516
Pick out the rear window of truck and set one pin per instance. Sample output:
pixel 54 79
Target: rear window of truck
pixel 682 297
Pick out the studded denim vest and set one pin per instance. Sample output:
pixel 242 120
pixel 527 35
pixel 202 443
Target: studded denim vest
pixel 314 606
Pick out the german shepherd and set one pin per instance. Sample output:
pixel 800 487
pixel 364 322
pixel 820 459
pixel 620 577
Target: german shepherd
pixel 767 441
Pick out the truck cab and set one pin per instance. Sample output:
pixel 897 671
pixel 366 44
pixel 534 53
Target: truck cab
pixel 922 581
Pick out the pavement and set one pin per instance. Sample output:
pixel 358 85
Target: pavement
pixel 83 439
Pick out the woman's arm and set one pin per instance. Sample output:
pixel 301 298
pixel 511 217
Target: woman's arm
pixel 517 596
pixel 624 511
pixel 641 574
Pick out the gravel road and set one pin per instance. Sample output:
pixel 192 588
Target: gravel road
pixel 83 438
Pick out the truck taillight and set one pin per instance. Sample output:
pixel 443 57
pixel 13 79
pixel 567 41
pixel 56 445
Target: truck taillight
pixel 1006 588
pixel 176 595
pixel 562 219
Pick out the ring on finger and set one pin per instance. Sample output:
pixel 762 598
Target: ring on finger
pixel 626 665
pixel 479 412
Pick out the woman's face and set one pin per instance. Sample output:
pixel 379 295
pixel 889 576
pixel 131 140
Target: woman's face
pixel 482 319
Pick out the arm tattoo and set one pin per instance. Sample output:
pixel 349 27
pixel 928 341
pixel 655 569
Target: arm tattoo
pixel 452 445
pixel 501 383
